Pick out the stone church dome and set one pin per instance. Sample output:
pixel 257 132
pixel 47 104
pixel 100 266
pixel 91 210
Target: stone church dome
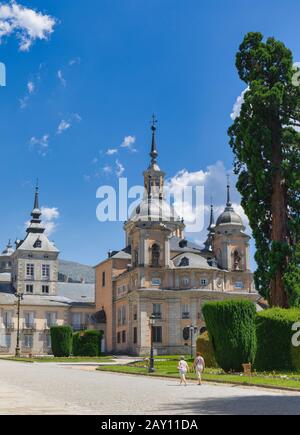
pixel 229 216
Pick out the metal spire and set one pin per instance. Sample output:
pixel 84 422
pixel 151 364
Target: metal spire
pixel 212 216
pixel 36 197
pixel 229 203
pixel 154 153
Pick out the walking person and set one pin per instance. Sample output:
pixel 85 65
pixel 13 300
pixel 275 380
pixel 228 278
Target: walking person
pixel 183 369
pixel 199 366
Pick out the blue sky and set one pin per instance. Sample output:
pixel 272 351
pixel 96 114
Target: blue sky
pixel 96 80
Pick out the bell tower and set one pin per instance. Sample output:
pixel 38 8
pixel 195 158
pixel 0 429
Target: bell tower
pixel 230 242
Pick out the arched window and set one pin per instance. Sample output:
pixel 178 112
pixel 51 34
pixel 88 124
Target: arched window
pixel 155 255
pixel 237 260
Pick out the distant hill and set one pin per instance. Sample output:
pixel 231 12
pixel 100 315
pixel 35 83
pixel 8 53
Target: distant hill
pixel 69 271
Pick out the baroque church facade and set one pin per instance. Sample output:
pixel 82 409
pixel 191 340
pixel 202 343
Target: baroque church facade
pixel 155 287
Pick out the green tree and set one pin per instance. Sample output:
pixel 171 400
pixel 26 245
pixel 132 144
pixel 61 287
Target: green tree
pixel 266 144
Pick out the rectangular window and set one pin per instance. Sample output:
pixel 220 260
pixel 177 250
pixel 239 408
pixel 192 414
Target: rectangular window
pixel 51 319
pixel 30 270
pixel 76 321
pixel 134 335
pixel 103 279
pixel 124 315
pixel 29 288
pixel 7 319
pixel 203 282
pixel 239 285
pixel 157 334
pixel 156 281
pixel 157 311
pixel 119 337
pixel 29 319
pixel 28 341
pixel 46 271
pixel 185 311
pixel 45 289
pixel 123 336
pixel 5 341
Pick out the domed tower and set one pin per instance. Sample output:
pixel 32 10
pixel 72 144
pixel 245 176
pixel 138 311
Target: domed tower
pixel 230 242
pixel 6 259
pixel 154 221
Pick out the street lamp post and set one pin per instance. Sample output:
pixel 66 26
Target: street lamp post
pixel 151 365
pixel 193 331
pixel 19 297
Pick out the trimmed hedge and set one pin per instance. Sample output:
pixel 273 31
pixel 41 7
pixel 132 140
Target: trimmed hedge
pixel 274 340
pixel 61 340
pixel 87 343
pixel 204 346
pixel 231 329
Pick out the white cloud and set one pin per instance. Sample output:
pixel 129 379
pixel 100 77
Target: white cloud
pixel 238 105
pixel 214 182
pixel 40 144
pixel 75 61
pixel 31 87
pixel 67 124
pixel 111 151
pixel 27 24
pixel 128 143
pixel 120 169
pixel 107 169
pixel 50 216
pixel 24 102
pixel 61 77
pixel 63 126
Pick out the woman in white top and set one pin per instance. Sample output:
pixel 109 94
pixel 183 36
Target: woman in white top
pixel 183 369
pixel 199 366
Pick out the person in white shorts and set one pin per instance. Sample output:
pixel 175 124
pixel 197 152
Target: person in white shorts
pixel 183 369
pixel 199 366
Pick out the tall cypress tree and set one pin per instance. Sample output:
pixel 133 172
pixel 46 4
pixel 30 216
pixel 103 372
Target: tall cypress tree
pixel 266 144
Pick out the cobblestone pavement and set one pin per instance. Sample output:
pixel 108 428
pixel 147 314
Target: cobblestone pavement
pixel 58 389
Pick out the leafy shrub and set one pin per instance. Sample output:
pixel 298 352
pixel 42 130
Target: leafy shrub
pixel 274 340
pixel 204 346
pixel 87 343
pixel 231 329
pixel 61 340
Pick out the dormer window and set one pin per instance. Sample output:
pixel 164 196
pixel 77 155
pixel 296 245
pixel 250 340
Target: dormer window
pixel 184 262
pixel 37 244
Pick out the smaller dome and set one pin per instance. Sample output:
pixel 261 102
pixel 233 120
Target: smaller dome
pixel 229 216
pixel 8 251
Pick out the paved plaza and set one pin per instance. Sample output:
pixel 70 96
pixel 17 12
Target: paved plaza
pixel 62 389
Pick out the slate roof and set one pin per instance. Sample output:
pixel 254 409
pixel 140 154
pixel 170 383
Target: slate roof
pixel 190 247
pixel 30 240
pixel 68 295
pixel 195 261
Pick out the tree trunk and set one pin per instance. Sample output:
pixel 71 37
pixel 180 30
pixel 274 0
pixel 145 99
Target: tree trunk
pixel 278 295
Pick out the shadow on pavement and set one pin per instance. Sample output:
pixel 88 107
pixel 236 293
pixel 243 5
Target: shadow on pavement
pixel 251 405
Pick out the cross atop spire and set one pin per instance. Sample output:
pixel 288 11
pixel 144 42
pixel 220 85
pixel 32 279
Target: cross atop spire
pixel 229 203
pixel 154 153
